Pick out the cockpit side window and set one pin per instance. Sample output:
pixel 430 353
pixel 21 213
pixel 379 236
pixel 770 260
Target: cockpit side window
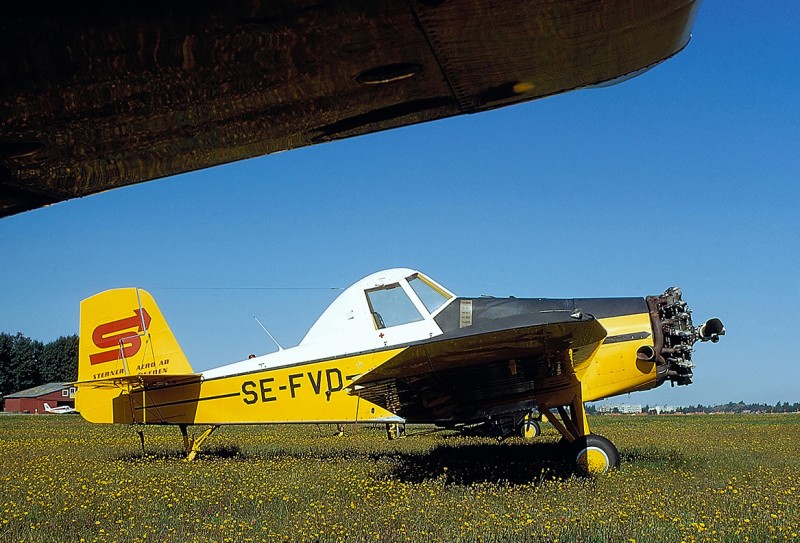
pixel 391 306
pixel 432 297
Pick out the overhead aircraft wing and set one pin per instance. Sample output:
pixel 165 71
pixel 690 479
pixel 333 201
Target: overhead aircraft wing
pixel 97 95
pixel 463 375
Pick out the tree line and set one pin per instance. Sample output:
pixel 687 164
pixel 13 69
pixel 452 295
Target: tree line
pixel 730 407
pixel 26 362
pixel 741 407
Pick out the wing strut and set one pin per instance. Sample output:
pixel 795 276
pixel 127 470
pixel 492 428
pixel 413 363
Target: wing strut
pixel 573 423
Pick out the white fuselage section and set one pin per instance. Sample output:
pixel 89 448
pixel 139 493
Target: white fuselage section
pixel 386 309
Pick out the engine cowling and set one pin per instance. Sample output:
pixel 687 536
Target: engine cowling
pixel 675 334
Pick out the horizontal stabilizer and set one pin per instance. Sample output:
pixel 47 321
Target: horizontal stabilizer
pixel 141 382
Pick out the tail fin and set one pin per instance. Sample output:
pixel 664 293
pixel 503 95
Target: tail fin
pixel 47 407
pixel 122 334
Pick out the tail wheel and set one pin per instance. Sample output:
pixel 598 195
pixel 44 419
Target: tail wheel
pixel 594 454
pixel 529 429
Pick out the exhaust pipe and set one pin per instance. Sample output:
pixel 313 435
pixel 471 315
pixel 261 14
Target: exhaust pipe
pixel 711 330
pixel 646 352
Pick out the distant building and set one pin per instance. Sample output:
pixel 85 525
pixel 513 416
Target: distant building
pixel 622 408
pixel 33 399
pixel 662 409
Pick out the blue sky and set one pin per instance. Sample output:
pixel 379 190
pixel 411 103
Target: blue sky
pixel 683 176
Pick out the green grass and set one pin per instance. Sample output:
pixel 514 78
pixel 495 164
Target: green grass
pixel 683 478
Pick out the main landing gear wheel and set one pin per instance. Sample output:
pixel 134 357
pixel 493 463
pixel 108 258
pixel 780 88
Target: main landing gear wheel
pixel 594 454
pixel 529 429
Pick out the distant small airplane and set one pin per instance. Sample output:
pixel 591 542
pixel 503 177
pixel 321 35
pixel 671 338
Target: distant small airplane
pixel 395 348
pixel 61 410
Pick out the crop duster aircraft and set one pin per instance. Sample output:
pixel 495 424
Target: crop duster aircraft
pixel 397 347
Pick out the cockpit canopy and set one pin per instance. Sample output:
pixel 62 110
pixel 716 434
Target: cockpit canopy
pixel 389 307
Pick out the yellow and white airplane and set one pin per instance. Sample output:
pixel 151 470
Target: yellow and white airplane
pixel 397 347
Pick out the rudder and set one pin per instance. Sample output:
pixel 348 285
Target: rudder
pixel 122 333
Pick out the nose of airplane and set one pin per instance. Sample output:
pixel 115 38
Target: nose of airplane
pixel 675 335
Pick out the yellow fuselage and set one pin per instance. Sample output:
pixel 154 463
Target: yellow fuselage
pixel 321 391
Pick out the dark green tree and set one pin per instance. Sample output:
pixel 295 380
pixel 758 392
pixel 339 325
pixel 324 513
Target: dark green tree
pixel 60 360
pixel 6 347
pixel 26 354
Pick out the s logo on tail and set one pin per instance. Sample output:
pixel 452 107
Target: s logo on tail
pixel 121 336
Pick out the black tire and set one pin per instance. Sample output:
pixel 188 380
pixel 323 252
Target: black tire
pixel 529 429
pixel 594 455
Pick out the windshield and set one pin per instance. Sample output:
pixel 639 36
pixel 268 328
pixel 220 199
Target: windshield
pixel 390 306
pixel 431 297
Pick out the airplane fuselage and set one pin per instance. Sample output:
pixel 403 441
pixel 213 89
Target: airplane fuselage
pixel 323 390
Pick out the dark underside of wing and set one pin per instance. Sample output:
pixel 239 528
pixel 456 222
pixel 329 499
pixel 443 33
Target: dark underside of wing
pixel 469 374
pixel 97 95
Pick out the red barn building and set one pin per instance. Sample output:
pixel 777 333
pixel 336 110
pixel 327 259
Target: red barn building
pixel 33 399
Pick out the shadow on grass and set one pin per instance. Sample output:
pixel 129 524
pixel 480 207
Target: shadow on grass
pixel 457 464
pixel 514 464
pixel 224 452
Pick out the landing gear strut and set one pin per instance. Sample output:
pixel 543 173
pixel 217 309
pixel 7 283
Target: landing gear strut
pixel 593 454
pixel 192 444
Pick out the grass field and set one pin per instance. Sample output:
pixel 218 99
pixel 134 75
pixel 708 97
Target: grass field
pixel 683 478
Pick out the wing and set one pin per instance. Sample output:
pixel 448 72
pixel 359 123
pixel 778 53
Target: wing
pixel 99 95
pixel 467 375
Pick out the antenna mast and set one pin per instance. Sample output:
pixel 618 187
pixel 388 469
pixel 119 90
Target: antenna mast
pixel 275 341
